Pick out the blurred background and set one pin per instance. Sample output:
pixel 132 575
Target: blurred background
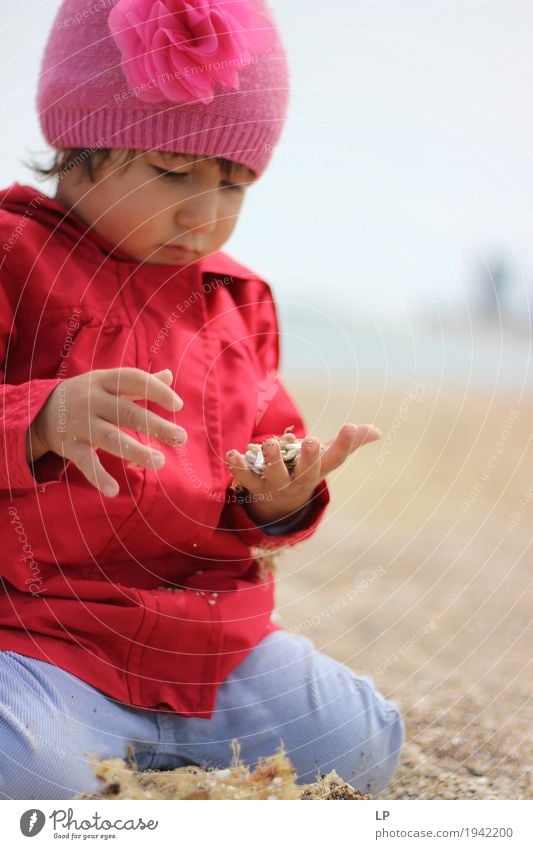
pixel 394 225
pixel 395 216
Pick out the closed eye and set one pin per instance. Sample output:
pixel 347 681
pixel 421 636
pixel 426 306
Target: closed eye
pixel 179 175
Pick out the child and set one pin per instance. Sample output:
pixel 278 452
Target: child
pixel 138 363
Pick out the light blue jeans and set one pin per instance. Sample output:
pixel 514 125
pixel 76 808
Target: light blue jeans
pixel 327 717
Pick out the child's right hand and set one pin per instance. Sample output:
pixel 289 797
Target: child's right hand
pixel 86 412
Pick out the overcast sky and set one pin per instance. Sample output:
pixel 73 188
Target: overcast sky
pixel 406 159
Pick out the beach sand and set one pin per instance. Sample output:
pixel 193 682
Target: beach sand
pixel 420 577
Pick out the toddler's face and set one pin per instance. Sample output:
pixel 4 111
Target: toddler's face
pixel 158 201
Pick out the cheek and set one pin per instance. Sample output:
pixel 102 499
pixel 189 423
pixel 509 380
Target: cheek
pixel 137 215
pixel 224 229
pixel 229 215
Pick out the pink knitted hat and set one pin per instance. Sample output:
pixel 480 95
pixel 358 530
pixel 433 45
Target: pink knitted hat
pixel 206 77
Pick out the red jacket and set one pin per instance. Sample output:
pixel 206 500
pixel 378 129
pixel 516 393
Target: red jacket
pixel 155 595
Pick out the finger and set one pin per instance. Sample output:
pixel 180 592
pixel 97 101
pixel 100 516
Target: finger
pixel 307 471
pixel 114 441
pixel 349 438
pixel 142 385
pixel 88 462
pixel 360 434
pixel 165 375
pixel 126 413
pixel 276 474
pixel 242 474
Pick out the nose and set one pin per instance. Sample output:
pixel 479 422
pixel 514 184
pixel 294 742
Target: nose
pixel 198 213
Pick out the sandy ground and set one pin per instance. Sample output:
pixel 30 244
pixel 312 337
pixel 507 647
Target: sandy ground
pixel 421 578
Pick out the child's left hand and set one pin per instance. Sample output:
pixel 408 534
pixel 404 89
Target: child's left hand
pixel 279 494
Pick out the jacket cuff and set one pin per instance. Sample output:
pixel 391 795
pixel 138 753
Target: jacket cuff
pixel 282 533
pixel 295 523
pixel 20 405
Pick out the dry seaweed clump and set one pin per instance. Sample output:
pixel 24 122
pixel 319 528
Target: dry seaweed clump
pixel 272 779
pixel 332 787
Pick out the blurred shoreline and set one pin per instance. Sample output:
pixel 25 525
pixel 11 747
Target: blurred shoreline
pixel 487 358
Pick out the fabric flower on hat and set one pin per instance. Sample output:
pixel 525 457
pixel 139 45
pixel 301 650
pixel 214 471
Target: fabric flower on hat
pixel 178 50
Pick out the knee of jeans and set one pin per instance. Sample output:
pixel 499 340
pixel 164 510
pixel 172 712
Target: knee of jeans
pixel 33 769
pixel 367 745
pixel 380 751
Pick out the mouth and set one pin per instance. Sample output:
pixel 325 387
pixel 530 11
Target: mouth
pixel 182 252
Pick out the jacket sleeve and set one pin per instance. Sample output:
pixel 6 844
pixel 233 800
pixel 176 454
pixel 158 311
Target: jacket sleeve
pixel 19 405
pixel 275 411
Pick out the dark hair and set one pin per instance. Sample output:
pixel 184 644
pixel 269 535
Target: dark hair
pixel 92 159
